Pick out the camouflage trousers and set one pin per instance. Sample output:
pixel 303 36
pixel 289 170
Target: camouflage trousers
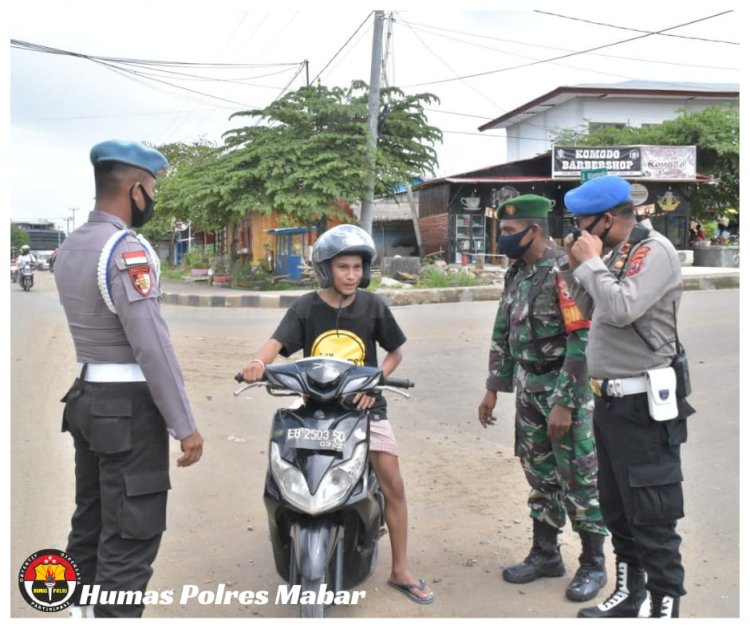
pixel 562 472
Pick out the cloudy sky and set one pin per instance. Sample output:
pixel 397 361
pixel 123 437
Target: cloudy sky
pixel 230 55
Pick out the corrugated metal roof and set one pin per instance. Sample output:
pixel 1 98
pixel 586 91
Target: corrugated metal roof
pixel 386 210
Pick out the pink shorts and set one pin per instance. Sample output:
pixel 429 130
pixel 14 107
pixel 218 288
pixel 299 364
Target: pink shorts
pixel 382 437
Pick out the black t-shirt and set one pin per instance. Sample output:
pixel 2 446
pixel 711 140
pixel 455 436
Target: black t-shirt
pixel 351 333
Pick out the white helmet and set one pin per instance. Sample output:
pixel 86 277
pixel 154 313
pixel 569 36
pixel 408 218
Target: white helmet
pixel 342 240
pixel 25 249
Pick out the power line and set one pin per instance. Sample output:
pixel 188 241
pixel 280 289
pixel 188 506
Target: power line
pixel 565 56
pixel 23 45
pixel 128 67
pixel 342 47
pixel 430 29
pixel 445 63
pixel 636 30
pixel 455 113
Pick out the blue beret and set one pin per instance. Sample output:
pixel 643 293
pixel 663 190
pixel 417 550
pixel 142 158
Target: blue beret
pixel 130 153
pixel 597 195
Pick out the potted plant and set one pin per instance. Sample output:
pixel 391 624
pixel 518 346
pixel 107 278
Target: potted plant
pixel 221 271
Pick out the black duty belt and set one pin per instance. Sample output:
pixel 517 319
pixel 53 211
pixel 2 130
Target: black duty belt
pixel 540 368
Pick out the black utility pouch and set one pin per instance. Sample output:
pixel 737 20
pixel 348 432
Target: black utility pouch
pixel 682 373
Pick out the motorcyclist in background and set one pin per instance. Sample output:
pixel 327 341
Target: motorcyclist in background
pixel 26 257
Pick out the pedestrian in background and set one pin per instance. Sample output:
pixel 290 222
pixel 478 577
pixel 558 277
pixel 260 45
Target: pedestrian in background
pixel 632 297
pixel 538 348
pixel 130 395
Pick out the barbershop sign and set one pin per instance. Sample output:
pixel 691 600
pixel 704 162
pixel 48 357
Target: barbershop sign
pixel 647 162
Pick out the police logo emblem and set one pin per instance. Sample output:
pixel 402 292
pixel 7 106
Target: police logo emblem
pixel 664 394
pixel 510 210
pixel 140 277
pixel 48 580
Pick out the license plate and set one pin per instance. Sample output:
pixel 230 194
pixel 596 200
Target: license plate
pixel 312 438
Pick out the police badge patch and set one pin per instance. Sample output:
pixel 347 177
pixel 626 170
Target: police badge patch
pixel 140 276
pixel 636 261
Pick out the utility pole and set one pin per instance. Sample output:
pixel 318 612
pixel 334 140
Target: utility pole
pixel 373 108
pixel 73 210
pixel 307 72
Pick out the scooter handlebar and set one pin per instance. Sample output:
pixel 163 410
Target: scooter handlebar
pixel 398 382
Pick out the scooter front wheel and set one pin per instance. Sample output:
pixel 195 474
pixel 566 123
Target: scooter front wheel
pixel 311 611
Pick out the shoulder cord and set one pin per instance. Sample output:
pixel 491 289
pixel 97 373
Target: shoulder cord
pixel 102 270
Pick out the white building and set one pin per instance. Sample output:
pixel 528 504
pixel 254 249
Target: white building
pixel 530 127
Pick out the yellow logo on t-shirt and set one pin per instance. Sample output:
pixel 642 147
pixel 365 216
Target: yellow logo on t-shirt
pixel 341 344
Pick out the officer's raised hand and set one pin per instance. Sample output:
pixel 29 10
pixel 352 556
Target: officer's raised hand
pixel 586 247
pixel 486 408
pixel 192 449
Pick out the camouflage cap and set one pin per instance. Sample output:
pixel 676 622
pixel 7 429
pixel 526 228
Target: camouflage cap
pixel 524 206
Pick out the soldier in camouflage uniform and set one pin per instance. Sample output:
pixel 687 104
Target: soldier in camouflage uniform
pixel 538 347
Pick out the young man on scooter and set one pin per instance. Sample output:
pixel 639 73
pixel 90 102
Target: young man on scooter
pixel 341 321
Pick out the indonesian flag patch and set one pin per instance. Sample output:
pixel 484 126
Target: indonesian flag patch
pixel 134 258
pixel 140 276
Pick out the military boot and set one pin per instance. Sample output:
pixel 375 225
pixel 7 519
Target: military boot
pixel 664 606
pixel 544 559
pixel 626 599
pixel 591 575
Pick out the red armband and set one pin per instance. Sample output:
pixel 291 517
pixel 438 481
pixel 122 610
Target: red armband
pixel 573 320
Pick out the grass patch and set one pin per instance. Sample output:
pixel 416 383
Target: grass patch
pixel 433 277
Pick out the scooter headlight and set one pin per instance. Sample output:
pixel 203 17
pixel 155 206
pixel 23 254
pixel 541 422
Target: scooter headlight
pixel 334 488
pixel 290 480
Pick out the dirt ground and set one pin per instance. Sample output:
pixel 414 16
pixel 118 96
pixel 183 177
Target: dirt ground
pixel 466 491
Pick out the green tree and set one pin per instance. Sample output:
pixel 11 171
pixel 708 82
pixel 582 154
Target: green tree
pixel 307 151
pixel 715 131
pixel 173 203
pixel 18 237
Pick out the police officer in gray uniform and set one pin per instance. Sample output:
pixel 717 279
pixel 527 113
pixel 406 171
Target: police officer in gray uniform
pixel 130 395
pixel 632 296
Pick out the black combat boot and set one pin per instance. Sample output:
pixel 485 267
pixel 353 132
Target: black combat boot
pixel 626 599
pixel 591 575
pixel 664 606
pixel 544 559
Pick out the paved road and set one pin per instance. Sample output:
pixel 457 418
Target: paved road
pixel 466 491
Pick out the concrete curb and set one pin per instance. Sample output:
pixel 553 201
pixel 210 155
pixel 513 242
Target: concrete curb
pixel 414 296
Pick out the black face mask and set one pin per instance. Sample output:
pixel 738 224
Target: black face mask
pixel 511 246
pixel 139 218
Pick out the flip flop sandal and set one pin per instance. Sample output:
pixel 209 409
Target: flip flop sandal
pixel 406 590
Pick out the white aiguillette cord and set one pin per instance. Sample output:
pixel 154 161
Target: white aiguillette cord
pixel 102 269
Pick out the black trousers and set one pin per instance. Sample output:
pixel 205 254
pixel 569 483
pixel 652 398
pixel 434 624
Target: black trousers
pixel 640 487
pixel 122 479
